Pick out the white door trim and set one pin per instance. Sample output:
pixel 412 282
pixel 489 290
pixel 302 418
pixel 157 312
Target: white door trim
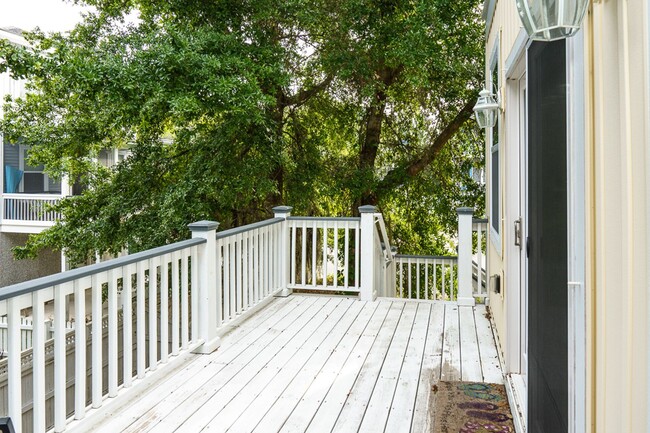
pixel 577 364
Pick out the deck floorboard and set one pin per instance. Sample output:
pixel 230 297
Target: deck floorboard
pixel 322 364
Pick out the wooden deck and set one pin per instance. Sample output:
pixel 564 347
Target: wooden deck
pixel 319 364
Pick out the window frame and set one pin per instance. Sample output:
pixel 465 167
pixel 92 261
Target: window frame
pixel 495 149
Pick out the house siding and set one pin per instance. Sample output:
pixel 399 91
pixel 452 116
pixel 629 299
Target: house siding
pixel 617 203
pixel 505 27
pixel 619 272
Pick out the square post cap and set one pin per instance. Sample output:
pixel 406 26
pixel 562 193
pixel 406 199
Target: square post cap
pixel 282 209
pixel 203 226
pixel 465 210
pixel 367 209
pixel 6 425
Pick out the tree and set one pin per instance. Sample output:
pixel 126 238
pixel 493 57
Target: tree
pixel 231 107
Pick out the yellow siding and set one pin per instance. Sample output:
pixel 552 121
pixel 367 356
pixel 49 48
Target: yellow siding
pixel 504 29
pixel 618 179
pixel 619 267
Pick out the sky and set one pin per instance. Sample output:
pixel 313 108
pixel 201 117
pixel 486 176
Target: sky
pixel 49 15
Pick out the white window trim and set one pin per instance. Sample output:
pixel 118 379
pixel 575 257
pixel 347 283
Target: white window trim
pixel 495 236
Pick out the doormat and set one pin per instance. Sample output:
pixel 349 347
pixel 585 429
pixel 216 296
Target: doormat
pixel 470 407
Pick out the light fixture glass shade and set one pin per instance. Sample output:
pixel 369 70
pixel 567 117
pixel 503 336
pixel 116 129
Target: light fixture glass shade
pixel 548 20
pixel 486 109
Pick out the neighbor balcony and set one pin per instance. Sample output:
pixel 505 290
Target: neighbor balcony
pixel 289 324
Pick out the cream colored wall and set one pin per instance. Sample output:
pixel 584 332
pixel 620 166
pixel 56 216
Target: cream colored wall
pixel 504 29
pixel 617 37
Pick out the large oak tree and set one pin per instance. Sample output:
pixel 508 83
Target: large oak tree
pixel 231 107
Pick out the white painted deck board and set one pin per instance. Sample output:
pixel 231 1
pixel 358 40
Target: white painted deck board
pixel 489 358
pixel 321 364
pixel 470 358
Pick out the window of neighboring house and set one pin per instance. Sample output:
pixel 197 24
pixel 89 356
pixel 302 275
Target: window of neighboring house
pixel 34 181
pixel 495 178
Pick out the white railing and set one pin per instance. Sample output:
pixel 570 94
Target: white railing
pixel 157 317
pixel 26 333
pixel 427 277
pixel 479 258
pixel 29 208
pixel 324 253
pixel 461 278
pixel 248 267
pixel 184 296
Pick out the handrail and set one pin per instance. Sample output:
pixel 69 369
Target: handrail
pixel 384 235
pixel 315 218
pixel 479 220
pixel 26 196
pixel 415 256
pixel 253 226
pixel 64 277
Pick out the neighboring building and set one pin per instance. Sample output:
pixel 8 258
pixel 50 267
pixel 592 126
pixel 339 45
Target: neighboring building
pixel 568 193
pixel 24 191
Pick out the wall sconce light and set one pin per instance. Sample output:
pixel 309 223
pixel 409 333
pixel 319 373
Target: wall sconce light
pixel 486 109
pixel 548 20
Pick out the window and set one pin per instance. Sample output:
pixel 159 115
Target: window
pixel 34 181
pixel 493 141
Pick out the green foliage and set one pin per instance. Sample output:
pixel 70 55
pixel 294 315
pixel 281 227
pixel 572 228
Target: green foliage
pixel 231 107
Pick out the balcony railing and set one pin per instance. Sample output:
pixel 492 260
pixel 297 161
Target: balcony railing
pixel 149 308
pixel 28 210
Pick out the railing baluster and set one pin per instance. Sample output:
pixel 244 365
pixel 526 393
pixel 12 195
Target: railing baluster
pixel 314 234
pixel 244 254
pixel 14 379
pixel 141 353
pixel 185 310
pixel 112 333
pixel 226 280
pixel 409 277
pixel 219 275
pixel 232 277
pixel 426 280
pixel 195 293
pixel 303 255
pixel 239 292
pixel 356 256
pixel 256 265
pixel 292 254
pixel 444 275
pixel 417 272
pixel 80 350
pixel 346 245
pixel 59 358
pixel 435 280
pixel 96 360
pixel 175 304
pixel 153 315
pixel 335 257
pixel 127 326
pixel 38 360
pixel 164 309
pixel 324 254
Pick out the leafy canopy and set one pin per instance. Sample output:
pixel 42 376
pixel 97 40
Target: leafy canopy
pixel 232 107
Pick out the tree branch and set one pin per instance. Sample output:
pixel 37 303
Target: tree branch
pixel 304 94
pixel 398 175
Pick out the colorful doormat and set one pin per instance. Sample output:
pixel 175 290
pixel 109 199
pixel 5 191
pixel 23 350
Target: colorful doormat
pixel 469 407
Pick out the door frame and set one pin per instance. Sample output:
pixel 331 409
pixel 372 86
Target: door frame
pixel 515 66
pixel 515 196
pixel 576 232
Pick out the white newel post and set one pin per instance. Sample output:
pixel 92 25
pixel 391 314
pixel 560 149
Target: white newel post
pixel 368 291
pixel 285 262
pixel 465 296
pixel 209 290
